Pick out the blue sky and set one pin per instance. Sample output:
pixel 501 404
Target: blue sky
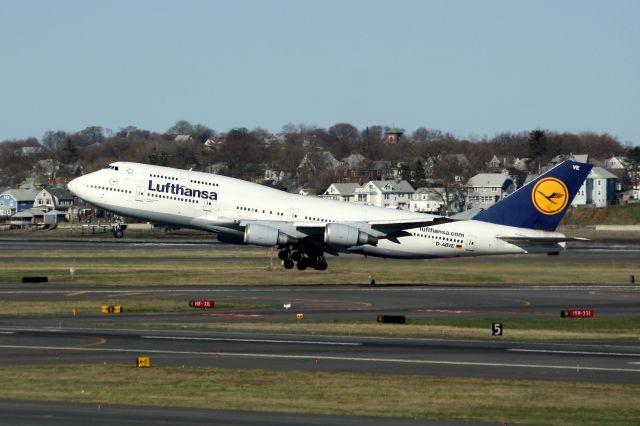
pixel 472 68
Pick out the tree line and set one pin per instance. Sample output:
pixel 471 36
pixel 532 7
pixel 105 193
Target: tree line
pixel 247 153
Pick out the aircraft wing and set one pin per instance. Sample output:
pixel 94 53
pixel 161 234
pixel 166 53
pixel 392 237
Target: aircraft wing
pixel 394 226
pixel 389 229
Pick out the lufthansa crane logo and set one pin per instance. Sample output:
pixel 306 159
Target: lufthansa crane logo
pixel 550 196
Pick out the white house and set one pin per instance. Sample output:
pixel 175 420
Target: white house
pixel 385 193
pixel 341 192
pixel 54 198
pixel 599 189
pixel 486 189
pixel 427 200
pixel 615 162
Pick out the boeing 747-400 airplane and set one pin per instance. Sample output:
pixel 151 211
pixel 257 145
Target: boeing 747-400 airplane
pixel 305 228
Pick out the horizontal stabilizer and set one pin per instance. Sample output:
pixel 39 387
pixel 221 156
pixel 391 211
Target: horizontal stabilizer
pixel 538 240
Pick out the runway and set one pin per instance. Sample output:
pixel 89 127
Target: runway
pixel 345 302
pixel 611 362
pixel 34 413
pixel 94 338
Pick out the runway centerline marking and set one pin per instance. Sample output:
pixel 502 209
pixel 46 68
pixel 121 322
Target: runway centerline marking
pixel 566 352
pixel 225 339
pixel 7 332
pixel 327 358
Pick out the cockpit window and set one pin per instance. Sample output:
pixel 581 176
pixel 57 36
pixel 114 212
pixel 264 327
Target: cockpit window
pixel 112 167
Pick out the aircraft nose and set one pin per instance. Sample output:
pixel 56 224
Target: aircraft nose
pixel 73 185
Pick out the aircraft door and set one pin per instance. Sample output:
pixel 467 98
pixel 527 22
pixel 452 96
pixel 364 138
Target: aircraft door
pixel 470 243
pixel 293 214
pixel 140 193
pixel 207 205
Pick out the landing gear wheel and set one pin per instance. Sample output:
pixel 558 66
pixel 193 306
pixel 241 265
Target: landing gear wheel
pixel 288 264
pixel 302 264
pixel 283 254
pixel 320 265
pixel 296 256
pixel 118 233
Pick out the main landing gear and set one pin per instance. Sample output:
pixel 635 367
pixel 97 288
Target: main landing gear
pixel 302 260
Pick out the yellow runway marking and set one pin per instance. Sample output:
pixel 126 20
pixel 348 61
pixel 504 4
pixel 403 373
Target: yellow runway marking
pixel 76 293
pixel 100 341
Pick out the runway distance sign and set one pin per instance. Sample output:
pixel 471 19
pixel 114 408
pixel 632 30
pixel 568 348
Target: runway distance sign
pixel 577 313
pixel 202 304
pixel 496 329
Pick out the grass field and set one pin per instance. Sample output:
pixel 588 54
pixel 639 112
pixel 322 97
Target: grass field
pixel 612 215
pixel 92 307
pixel 529 329
pixel 250 266
pixel 469 399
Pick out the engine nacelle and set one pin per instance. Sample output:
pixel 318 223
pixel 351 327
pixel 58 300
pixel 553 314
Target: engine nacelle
pixel 262 235
pixel 345 235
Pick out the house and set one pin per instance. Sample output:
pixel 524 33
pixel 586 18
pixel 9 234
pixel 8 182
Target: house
pixel 54 198
pixel 599 189
pixel 323 160
pixel 428 200
pixel 385 193
pixel 507 162
pixel 340 192
pixel 615 162
pixel 37 216
pixel 498 163
pixel 214 142
pixel 182 138
pixel 274 175
pixel 486 189
pixel 393 135
pixel 580 158
pixel 13 201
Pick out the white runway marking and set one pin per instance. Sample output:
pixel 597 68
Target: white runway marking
pixel 224 339
pixel 564 352
pixel 326 358
pixel 7 332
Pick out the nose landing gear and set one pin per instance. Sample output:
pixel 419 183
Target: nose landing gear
pixel 118 229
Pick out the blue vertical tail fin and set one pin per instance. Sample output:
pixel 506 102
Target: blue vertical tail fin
pixel 541 203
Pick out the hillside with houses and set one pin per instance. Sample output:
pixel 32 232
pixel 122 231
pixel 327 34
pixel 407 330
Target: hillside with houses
pixel 422 171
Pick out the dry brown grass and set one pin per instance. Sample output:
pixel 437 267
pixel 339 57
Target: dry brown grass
pixel 250 266
pixel 530 402
pixel 409 330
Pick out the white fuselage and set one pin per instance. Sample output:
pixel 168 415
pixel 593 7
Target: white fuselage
pixel 219 203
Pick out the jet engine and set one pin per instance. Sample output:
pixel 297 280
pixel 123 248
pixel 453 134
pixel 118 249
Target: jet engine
pixel 230 238
pixel 345 235
pixel 262 235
